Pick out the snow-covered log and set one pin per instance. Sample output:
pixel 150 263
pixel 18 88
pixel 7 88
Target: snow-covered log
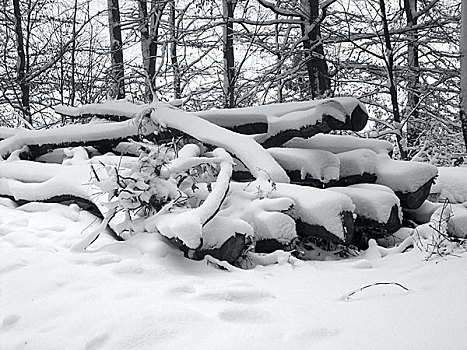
pixel 356 166
pixel 317 212
pixel 411 181
pixel 343 113
pixel 377 208
pixel 451 185
pixel 118 110
pixel 306 166
pixel 340 143
pixel 8 132
pixel 243 147
pixel 79 134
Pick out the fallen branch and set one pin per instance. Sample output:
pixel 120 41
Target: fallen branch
pixel 348 296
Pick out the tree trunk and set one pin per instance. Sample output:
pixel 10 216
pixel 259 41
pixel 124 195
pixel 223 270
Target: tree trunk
pixel 73 57
pixel 173 51
pixel 229 58
pixel 149 31
pixel 116 49
pixel 21 70
pixel 392 84
pixel 463 52
pixel 413 82
pixel 317 67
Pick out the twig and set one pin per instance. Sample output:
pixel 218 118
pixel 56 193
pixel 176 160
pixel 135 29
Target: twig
pixel 348 296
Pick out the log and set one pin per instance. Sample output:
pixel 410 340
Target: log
pixel 356 166
pixel 411 181
pixel 338 114
pixel 106 134
pixel 307 167
pixel 240 146
pixel 378 211
pixel 316 211
pixel 340 143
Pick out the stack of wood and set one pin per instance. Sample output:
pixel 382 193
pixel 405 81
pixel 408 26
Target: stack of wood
pixel 340 188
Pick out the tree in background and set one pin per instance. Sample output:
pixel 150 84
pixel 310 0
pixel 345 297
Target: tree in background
pixel 116 50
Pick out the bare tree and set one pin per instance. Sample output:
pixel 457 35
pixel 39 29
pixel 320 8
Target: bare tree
pixel 463 84
pixel 22 62
pixel 116 49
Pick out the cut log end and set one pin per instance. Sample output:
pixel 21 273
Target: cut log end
pixel 270 245
pixel 229 251
pixel 308 230
pixel 413 200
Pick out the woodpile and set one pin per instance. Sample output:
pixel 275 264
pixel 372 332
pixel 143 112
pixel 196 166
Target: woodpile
pixel 278 177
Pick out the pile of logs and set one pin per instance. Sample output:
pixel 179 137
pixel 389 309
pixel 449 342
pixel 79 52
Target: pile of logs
pixel 329 179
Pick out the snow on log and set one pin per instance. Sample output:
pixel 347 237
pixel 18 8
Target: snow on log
pixel 457 222
pixel 356 166
pixel 377 208
pixel 340 143
pixel 317 212
pixel 224 238
pixel 273 229
pixel 451 184
pixel 187 224
pixel 79 134
pixel 344 113
pixel 411 181
pixel 114 110
pixel 308 167
pixel 255 157
pixel 8 132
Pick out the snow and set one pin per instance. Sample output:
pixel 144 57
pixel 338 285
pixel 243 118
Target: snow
pixel 245 148
pixel 357 162
pixel 403 176
pixel 371 201
pixel 119 107
pixel 340 143
pixel 311 205
pixel 293 120
pixel 141 294
pixel 320 165
pixel 451 184
pixel 70 133
pixel 261 114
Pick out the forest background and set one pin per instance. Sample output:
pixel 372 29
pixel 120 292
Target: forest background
pixel 402 58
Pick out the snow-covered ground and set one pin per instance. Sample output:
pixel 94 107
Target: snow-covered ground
pixel 143 294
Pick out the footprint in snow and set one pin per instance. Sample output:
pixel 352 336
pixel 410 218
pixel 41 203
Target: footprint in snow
pixel 245 315
pixel 10 319
pixel 96 342
pixel 238 294
pixel 12 265
pixel 303 338
pixel 128 266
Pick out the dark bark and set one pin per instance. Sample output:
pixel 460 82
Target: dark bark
pixel 21 70
pixel 389 58
pixel 173 52
pixel 116 49
pixel 413 83
pixel 317 67
pixel 149 31
pixel 463 84
pixel 73 57
pixel 229 58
